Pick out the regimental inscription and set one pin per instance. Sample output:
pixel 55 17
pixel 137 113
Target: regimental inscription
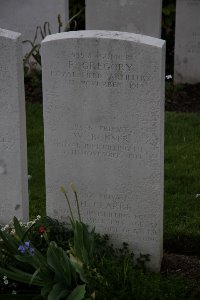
pixel 110 72
pixel 102 141
pixel 113 213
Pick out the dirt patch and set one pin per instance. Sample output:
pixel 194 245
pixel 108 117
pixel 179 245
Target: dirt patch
pixel 182 98
pixel 185 266
pixel 188 266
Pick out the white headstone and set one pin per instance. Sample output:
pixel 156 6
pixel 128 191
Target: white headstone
pixel 25 15
pixel 103 121
pixel 13 154
pixel 187 42
pixel 138 16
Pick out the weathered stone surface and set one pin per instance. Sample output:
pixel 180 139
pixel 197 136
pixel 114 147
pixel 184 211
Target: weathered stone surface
pixel 136 16
pixel 103 122
pixel 187 42
pixel 13 154
pixel 25 15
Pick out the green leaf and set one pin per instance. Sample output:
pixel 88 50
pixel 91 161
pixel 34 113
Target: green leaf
pixel 58 292
pixel 10 242
pixel 46 289
pixel 78 293
pixel 59 262
pixel 20 276
pixel 83 243
pixel 34 275
pixel 18 228
pixel 78 266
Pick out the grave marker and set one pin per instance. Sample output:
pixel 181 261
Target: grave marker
pixel 25 15
pixel 103 130
pixel 187 42
pixel 13 155
pixel 138 16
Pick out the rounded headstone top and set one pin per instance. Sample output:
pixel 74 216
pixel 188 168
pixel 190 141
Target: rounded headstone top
pixel 104 34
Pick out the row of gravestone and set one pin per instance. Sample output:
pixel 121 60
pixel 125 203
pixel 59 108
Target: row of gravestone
pixel 103 107
pixel 138 16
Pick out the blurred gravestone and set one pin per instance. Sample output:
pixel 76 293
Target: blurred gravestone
pixel 103 130
pixel 25 15
pixel 13 154
pixel 138 16
pixel 187 42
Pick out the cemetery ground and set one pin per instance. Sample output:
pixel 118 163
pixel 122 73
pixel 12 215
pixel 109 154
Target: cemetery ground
pixel 180 273
pixel 182 173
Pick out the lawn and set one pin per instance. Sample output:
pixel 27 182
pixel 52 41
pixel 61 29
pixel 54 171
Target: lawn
pixel 181 230
pixel 182 174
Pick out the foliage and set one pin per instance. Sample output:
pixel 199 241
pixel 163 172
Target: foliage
pixel 82 267
pixel 59 273
pixel 33 58
pixel 55 272
pixel 110 274
pixel 74 7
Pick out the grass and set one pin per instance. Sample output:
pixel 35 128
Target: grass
pixel 182 203
pixel 182 180
pixel 182 172
pixel 35 141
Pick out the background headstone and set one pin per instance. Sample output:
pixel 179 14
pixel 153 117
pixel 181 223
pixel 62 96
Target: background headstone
pixel 103 122
pixel 13 154
pixel 25 15
pixel 137 16
pixel 187 42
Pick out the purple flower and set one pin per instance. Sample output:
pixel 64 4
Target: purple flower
pixel 26 248
pixel 31 251
pixel 22 249
pixel 27 244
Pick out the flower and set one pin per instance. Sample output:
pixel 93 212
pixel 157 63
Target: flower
pixel 168 77
pixel 12 232
pixel 26 248
pixel 31 251
pixel 42 229
pixel 27 244
pixel 5 280
pixel 22 249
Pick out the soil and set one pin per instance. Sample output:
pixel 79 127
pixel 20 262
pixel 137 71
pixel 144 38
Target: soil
pixel 182 98
pixel 186 266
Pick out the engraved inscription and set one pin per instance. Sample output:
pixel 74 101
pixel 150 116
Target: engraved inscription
pixel 102 141
pixel 113 213
pixel 85 70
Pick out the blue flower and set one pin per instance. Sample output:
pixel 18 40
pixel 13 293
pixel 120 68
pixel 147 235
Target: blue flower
pixel 26 248
pixel 31 251
pixel 22 249
pixel 27 244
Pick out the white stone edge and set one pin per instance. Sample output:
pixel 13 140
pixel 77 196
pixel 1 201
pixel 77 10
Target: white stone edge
pixel 9 34
pixel 104 34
